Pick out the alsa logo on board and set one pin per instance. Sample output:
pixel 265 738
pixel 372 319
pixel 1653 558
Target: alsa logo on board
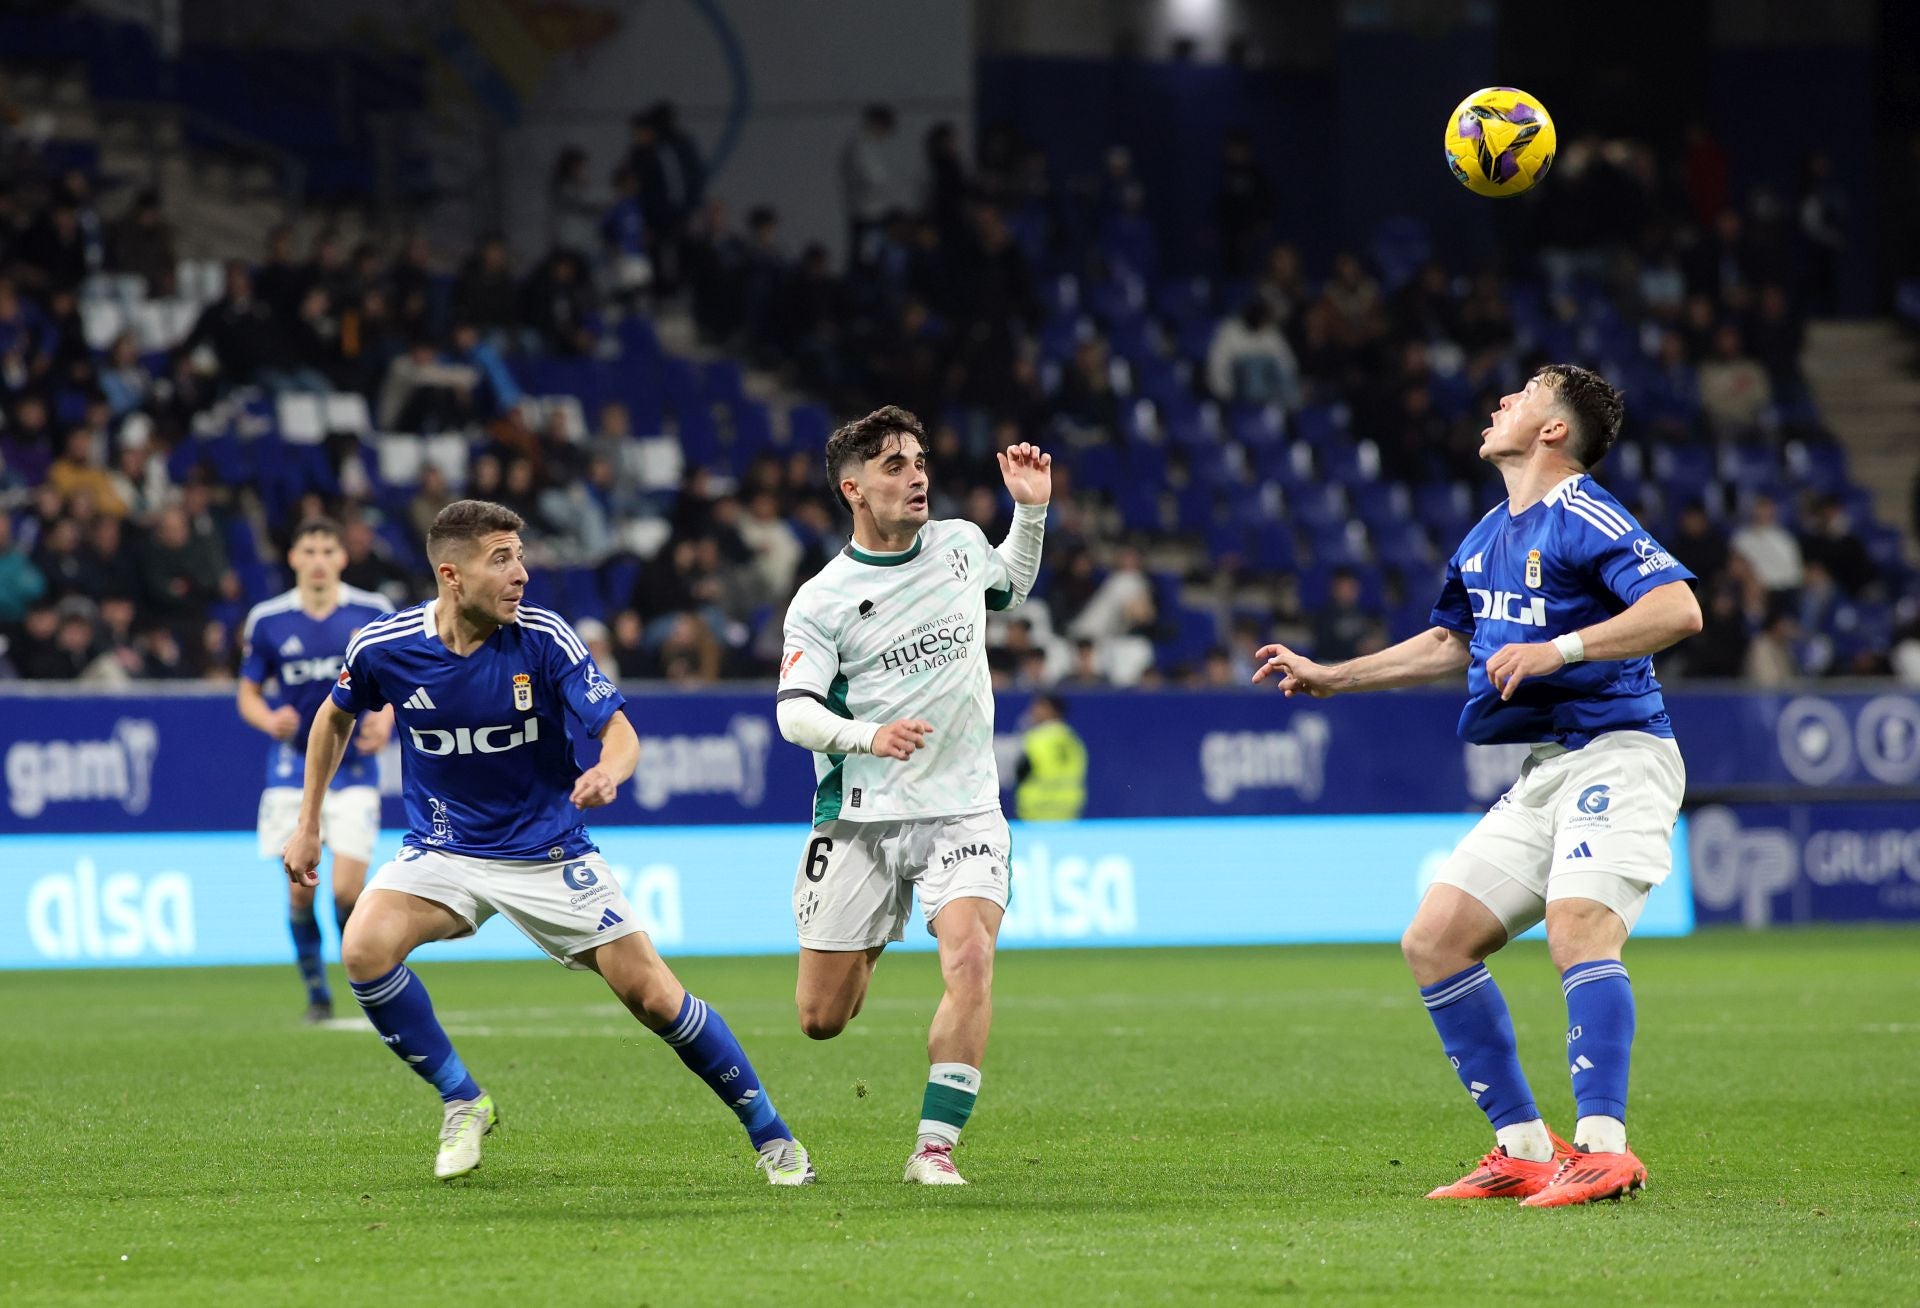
pixel 84 915
pixel 118 769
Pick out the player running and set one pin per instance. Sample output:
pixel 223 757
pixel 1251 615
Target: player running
pixel 484 686
pixel 295 643
pixel 1554 604
pixel 884 677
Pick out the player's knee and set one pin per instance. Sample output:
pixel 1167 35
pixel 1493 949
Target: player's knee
pixel 368 954
pixel 1430 955
pixel 821 1023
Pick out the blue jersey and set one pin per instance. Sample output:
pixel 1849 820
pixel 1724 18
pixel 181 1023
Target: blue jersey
pixel 1574 559
pixel 294 657
pixel 488 767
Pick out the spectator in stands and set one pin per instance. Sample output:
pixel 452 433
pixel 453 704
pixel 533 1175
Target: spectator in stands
pixel 559 306
pixel 303 351
pixel 573 211
pixel 108 570
pixel 947 191
pixel 279 282
pixel 866 180
pixel 1773 657
pixel 177 582
pixel 124 379
pixel 1698 544
pixel 53 254
pixel 623 242
pixel 1770 550
pixel 140 480
pixel 21 582
pixel 495 390
pixel 1121 616
pixel 774 546
pixel 142 244
pixel 1352 293
pixel 1777 337
pixel 1242 207
pixel 1830 541
pixel 327 268
pixel 1823 232
pixel 78 472
pixel 423 393
pixel 1283 286
pixel 432 496
pixel 673 186
pixel 370 564
pixel 485 293
pixel 26 345
pixel 410 284
pixel 237 329
pixel 1251 363
pixel 1734 390
pixel 1084 672
pixel 1341 628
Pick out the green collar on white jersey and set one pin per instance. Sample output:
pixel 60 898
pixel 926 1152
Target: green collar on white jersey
pixel 907 555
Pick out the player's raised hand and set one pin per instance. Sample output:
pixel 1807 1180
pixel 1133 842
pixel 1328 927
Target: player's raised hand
pixel 1027 472
pixel 300 860
pixel 595 788
pixel 898 740
pixel 1298 674
pixel 284 722
pixel 1513 664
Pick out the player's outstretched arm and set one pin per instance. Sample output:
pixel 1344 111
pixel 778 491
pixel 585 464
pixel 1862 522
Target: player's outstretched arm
pixel 600 784
pixel 1028 473
pixel 1432 655
pixel 326 746
pixel 1659 619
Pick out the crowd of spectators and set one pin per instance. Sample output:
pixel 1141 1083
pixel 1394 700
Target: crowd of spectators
pixel 996 299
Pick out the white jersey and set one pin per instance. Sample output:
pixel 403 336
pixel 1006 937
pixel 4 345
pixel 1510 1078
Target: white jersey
pixel 881 637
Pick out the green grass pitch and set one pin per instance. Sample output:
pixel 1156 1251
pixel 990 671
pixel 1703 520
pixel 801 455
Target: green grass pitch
pixel 1178 1126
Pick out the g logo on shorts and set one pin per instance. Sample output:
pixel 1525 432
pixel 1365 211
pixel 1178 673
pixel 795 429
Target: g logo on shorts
pixel 1593 800
pixel 578 876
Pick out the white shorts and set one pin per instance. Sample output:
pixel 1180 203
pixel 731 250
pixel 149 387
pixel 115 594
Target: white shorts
pixel 854 886
pixel 349 820
pixel 567 908
pixel 1593 823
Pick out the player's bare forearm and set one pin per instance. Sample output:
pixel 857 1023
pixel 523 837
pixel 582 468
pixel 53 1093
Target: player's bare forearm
pixel 326 746
pixel 1659 619
pixel 619 748
pixel 255 713
pixel 1433 655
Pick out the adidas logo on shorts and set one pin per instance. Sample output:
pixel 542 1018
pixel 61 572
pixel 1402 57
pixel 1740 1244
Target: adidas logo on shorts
pixel 609 919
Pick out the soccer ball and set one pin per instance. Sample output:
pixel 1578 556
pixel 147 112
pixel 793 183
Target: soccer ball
pixel 1500 141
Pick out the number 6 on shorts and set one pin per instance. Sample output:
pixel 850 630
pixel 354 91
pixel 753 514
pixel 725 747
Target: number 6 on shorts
pixel 816 861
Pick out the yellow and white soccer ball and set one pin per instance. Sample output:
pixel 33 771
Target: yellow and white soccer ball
pixel 1500 141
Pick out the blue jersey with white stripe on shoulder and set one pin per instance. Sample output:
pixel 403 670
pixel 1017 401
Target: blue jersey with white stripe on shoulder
pixel 488 763
pixel 1576 558
pixel 293 657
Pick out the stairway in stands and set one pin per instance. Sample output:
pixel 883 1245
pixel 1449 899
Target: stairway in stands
pixel 1866 382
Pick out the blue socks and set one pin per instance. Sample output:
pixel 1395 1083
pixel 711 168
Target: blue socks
pixel 701 1038
pixel 306 956
pixel 1477 1033
pixel 1599 1035
pixel 398 1006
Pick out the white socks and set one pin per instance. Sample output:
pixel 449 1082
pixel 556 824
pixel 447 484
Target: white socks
pixel 1528 1140
pixel 1601 1135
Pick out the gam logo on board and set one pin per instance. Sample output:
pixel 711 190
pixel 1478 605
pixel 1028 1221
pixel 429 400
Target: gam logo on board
pixel 118 769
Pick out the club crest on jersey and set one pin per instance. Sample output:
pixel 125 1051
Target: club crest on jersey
pixel 957 560
pixel 1533 568
pixel 522 691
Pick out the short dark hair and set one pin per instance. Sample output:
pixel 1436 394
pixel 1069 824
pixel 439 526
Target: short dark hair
pixel 1594 405
pixel 318 527
pixel 864 438
pixel 464 522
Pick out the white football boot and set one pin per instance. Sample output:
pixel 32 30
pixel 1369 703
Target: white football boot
pixel 932 1164
pixel 786 1163
pixel 467 1122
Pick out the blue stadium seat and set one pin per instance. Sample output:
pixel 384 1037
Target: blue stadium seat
pixel 809 426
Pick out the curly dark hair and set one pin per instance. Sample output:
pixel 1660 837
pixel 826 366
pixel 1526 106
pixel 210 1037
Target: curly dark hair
pixel 1593 406
pixel 864 438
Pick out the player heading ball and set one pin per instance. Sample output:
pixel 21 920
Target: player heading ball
pixel 884 677
pixel 485 688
